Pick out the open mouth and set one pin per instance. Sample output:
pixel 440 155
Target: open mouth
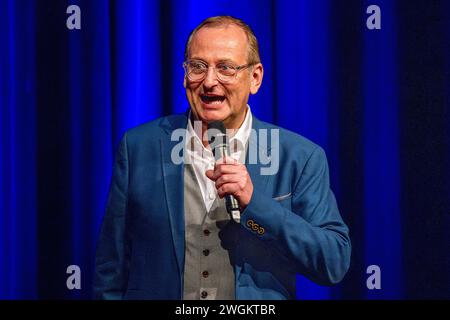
pixel 212 99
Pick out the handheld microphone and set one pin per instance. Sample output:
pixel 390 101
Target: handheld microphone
pixel 218 140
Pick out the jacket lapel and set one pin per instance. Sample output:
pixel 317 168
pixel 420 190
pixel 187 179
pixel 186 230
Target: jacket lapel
pixel 174 182
pixel 255 152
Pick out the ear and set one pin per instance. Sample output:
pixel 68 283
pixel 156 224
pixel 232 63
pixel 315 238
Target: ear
pixel 184 82
pixel 256 75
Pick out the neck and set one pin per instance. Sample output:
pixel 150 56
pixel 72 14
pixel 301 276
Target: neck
pixel 231 126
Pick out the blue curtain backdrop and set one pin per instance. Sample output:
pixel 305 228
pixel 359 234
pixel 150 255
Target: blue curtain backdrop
pixel 376 100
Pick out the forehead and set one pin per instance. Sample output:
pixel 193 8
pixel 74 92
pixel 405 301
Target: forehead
pixel 220 43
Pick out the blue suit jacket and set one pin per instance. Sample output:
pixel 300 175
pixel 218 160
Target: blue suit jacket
pixel 291 225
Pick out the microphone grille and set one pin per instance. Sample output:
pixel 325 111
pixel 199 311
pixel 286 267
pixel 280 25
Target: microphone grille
pixel 218 125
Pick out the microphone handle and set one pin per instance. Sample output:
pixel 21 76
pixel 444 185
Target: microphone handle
pixel 231 203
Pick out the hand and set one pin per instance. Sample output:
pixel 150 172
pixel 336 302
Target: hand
pixel 232 178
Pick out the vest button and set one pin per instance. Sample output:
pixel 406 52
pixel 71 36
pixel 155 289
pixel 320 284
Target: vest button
pixel 204 294
pixel 206 252
pixel 206 232
pixel 205 274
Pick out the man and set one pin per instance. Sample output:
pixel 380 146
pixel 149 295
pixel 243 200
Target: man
pixel 166 232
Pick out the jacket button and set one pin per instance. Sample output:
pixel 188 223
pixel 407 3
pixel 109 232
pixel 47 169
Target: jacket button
pixel 206 232
pixel 204 294
pixel 206 252
pixel 205 274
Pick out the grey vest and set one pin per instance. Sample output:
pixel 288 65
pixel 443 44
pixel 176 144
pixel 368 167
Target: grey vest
pixel 208 273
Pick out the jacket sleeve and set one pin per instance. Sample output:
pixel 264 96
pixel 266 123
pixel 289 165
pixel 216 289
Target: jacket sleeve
pixel 112 253
pixel 312 237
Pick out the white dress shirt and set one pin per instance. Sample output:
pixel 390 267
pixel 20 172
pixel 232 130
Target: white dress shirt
pixel 202 158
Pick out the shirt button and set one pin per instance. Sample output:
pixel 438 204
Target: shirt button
pixel 206 252
pixel 205 274
pixel 206 232
pixel 211 196
pixel 204 294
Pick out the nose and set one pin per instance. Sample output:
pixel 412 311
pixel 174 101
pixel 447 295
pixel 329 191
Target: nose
pixel 211 78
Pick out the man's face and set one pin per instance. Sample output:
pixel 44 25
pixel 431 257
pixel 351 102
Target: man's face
pixel 210 99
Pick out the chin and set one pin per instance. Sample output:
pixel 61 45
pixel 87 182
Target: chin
pixel 209 115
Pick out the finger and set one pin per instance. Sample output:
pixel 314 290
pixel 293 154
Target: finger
pixel 229 178
pixel 228 168
pixel 228 188
pixel 210 174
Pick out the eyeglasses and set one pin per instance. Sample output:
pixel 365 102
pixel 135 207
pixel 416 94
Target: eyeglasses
pixel 196 70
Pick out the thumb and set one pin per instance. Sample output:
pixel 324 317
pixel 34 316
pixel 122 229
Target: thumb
pixel 210 174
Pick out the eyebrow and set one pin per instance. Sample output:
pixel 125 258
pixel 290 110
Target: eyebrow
pixel 226 61
pixel 220 61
